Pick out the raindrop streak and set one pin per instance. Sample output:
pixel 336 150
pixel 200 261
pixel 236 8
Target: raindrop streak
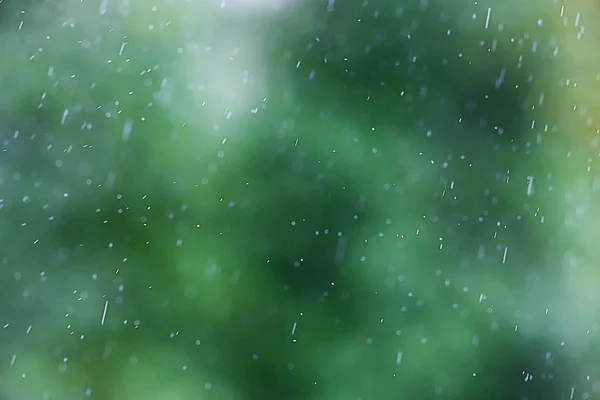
pixel 127 130
pixel 529 185
pixel 104 313
pixel 64 116
pixel 399 357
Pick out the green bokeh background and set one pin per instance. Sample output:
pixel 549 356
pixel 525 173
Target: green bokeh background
pixel 285 201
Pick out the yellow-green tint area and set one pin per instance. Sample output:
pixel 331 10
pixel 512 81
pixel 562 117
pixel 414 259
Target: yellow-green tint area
pixel 254 199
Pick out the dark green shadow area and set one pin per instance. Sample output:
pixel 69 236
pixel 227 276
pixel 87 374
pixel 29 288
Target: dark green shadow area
pixel 292 261
pixel 477 103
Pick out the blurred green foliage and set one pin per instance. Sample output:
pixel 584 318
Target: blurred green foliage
pixel 237 203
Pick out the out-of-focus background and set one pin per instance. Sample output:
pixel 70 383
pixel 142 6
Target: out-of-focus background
pixel 287 199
